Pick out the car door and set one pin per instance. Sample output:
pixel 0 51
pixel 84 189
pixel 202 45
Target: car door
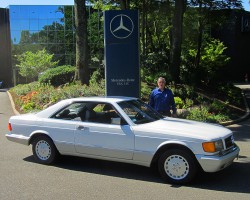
pixel 62 133
pixel 104 139
pixel 61 127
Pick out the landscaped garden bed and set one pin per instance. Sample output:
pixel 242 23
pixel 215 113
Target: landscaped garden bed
pixel 192 103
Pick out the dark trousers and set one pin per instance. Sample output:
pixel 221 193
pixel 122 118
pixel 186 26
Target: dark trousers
pixel 165 113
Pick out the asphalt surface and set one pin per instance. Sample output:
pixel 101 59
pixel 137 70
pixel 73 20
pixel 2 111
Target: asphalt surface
pixel 79 178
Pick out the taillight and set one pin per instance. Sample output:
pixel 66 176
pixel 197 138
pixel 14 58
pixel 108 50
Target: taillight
pixel 9 127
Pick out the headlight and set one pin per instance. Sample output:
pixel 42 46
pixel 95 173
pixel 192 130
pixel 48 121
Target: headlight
pixel 212 147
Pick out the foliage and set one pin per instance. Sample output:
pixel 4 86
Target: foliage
pixel 30 106
pixel 58 75
pixel 212 59
pixel 103 5
pixel 188 103
pixel 212 56
pixel 156 36
pixel 217 106
pixel 156 19
pixel 202 114
pixel 96 36
pixel 154 67
pixel 178 102
pixel 217 118
pixel 199 114
pixel 31 64
pixel 37 96
pixel 97 76
pixel 151 78
pixel 232 94
pixel 183 91
pixel 23 89
pixel 186 93
pixel 145 92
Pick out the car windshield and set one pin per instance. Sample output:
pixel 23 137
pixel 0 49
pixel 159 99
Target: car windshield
pixel 139 112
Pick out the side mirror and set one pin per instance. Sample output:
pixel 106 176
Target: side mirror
pixel 116 120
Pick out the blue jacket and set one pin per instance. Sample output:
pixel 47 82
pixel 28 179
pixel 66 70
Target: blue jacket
pixel 162 101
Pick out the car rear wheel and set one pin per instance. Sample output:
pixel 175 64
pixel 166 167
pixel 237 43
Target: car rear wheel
pixel 177 166
pixel 44 150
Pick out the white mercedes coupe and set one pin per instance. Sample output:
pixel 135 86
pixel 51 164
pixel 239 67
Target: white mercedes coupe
pixel 125 129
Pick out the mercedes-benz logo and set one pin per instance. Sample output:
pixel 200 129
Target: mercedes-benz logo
pixel 121 26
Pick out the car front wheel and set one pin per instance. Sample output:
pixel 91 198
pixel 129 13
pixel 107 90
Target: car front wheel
pixel 44 150
pixel 177 166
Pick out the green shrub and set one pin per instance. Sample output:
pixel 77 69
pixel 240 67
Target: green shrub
pixel 154 66
pixel 199 114
pixel 232 93
pixel 96 76
pixel 58 76
pixel 188 103
pixel 33 63
pixel 218 118
pixel 183 91
pixel 178 102
pixel 203 114
pixel 217 107
pixel 28 107
pixel 145 91
pixel 23 89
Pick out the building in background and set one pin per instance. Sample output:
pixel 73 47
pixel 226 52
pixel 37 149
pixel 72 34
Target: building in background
pixel 5 49
pixel 235 34
pixel 33 28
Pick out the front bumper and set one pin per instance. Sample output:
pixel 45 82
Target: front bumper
pixel 217 163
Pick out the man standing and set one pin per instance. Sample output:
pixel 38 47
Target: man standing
pixel 162 99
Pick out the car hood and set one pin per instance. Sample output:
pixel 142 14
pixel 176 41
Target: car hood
pixel 183 128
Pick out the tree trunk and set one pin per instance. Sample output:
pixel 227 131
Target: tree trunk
pixel 82 49
pixel 176 40
pixel 199 45
pixel 125 4
pixel 144 13
pixel 200 36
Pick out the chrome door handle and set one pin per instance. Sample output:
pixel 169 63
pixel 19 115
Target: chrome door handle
pixel 80 127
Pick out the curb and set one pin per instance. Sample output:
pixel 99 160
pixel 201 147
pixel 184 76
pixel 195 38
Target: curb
pixel 227 123
pixel 12 104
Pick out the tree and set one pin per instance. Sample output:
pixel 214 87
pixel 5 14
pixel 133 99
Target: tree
pixel 82 47
pixel 212 59
pixel 125 4
pixel 205 19
pixel 176 40
pixel 155 18
pixel 31 64
pixel 96 38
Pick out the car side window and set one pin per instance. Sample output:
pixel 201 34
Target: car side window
pixel 100 113
pixel 90 112
pixel 70 112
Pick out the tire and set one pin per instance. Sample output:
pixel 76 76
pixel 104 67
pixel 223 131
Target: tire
pixel 44 150
pixel 177 166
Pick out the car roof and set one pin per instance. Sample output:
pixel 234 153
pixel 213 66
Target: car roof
pixel 102 98
pixel 105 99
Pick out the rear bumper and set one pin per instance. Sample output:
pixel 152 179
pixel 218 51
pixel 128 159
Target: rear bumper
pixel 217 163
pixel 18 139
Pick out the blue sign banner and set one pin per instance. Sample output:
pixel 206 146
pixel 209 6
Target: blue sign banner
pixel 121 41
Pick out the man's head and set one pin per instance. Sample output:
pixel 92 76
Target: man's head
pixel 161 82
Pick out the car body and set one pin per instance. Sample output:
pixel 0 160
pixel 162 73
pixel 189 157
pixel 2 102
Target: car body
pixel 125 129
